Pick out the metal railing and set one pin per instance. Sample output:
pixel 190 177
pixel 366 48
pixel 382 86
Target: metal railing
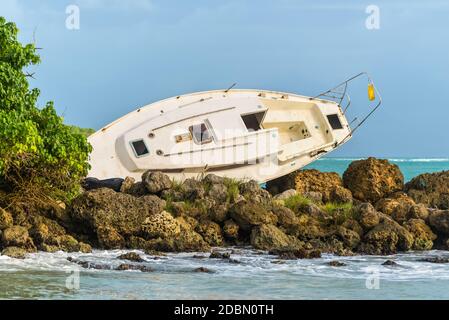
pixel 339 93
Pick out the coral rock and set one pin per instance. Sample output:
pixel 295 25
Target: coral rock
pixel 372 179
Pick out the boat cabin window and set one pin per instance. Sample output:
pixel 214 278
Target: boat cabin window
pixel 334 121
pixel 200 133
pixel 253 121
pixel 140 148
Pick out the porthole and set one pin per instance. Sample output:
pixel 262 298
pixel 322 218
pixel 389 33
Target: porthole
pixel 140 148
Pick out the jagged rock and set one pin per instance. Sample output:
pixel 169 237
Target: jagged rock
pixel 386 238
pixel 423 235
pixel 155 182
pixel 219 255
pixel 50 236
pixel 6 219
pixel 17 236
pixel 127 185
pixel 389 263
pixel 329 244
pixel 138 189
pixel 252 190
pixel 90 265
pixel 211 233
pixel 131 256
pixel 248 214
pixel 177 208
pixel 418 211
pixel 286 194
pixel 435 260
pixel 126 266
pixel 349 237
pixel 98 266
pixel 213 179
pixel 160 225
pixel 218 192
pixel 336 264
pixel 281 184
pixel 135 242
pixel 109 238
pixel 121 213
pixel 316 197
pixel 439 221
pixel 290 253
pixel 84 247
pixel 286 217
pixel 353 225
pixel 367 216
pixel 172 195
pixel 15 252
pixel 193 189
pixel 192 222
pixel 313 210
pixel 308 227
pixel 219 212
pixel 68 243
pixel 372 179
pixel 431 189
pixel 203 269
pixel 231 230
pixel 269 237
pixel 397 206
pixel 340 195
pixel 199 208
pixel 186 241
pixel 379 242
pixel 316 181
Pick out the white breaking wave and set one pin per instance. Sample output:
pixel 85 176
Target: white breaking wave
pixel 421 160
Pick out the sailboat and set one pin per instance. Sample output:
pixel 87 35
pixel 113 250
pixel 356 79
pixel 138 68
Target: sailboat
pixel 235 133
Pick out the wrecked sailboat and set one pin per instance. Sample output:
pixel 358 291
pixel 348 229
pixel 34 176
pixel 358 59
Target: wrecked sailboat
pixel 242 134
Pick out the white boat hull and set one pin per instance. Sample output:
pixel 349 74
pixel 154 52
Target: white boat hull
pixel 242 134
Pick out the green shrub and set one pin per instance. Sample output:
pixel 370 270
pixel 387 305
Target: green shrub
pixel 40 157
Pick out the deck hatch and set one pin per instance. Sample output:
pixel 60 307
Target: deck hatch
pixel 334 121
pixel 140 148
pixel 253 120
pixel 200 133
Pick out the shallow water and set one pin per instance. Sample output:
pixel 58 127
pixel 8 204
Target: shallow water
pixel 257 276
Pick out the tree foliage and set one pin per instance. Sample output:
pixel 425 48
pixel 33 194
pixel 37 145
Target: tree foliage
pixel 40 156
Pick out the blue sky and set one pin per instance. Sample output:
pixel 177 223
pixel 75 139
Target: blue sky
pixel 130 53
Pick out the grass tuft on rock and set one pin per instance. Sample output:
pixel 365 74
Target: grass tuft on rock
pixel 297 202
pixel 341 212
pixel 232 186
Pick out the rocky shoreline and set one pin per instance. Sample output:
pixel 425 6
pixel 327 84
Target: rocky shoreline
pixel 367 211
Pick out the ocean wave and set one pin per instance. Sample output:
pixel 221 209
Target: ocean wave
pixel 421 160
pixel 256 276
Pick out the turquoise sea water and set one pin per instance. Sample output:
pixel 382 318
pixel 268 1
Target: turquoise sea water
pixel 257 276
pixel 410 167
